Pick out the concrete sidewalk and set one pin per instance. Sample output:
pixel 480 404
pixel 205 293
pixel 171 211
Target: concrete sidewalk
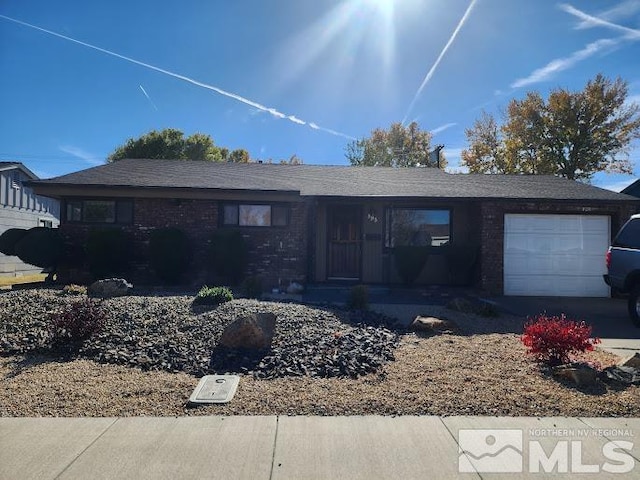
pixel 284 447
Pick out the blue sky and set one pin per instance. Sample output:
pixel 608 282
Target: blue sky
pixel 284 77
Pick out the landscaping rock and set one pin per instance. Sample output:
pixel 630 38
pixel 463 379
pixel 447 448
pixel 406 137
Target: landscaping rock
pixel 632 361
pixel 622 374
pixel 253 332
pixel 109 288
pixel 433 325
pixel 165 333
pixel 579 373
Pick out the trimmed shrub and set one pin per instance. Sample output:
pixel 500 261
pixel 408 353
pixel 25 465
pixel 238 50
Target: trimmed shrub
pixel 358 298
pixel 76 322
pixel 228 255
pixel 10 238
pixel 73 255
pixel 213 296
pixel 73 290
pixel 41 247
pixel 410 260
pixel 252 287
pixel 109 252
pixel 170 254
pixel 552 339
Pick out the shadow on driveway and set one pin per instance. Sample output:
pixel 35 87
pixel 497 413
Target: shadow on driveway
pixel 608 316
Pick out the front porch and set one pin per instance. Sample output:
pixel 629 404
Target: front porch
pixel 355 239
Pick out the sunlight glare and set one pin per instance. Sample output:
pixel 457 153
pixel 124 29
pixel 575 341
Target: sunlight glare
pixel 350 24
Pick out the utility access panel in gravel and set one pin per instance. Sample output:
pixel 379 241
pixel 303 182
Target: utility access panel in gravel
pixel 215 389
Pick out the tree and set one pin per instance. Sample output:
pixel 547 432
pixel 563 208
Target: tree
pixel 239 156
pixel 399 146
pixel 293 160
pixel 486 152
pixel 169 143
pixel 571 134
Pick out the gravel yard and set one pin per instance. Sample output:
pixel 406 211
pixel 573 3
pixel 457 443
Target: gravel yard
pixel 149 357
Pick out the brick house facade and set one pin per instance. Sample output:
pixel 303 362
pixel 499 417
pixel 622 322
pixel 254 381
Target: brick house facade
pixel 277 256
pixel 492 230
pixel 314 224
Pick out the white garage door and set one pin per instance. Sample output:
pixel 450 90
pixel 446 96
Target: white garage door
pixel 555 255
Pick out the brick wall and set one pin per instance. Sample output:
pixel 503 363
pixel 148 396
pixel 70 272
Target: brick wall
pixel 492 230
pixel 275 253
pixel 278 255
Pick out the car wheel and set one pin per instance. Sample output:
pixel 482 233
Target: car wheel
pixel 634 305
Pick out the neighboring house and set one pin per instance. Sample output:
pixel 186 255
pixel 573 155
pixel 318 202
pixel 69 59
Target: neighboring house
pixel 633 189
pixel 536 235
pixel 20 207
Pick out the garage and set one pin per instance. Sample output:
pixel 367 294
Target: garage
pixel 555 255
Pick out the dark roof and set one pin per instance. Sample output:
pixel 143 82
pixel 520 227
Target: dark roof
pixel 341 181
pixel 633 189
pixel 17 165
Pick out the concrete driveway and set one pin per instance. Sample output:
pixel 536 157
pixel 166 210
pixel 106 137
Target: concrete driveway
pixel 608 316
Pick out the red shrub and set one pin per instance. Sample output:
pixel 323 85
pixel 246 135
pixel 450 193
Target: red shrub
pixel 77 321
pixel 552 339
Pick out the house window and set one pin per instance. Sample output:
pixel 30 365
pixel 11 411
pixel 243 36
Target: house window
pixel 417 227
pixel 254 215
pixel 248 215
pixel 99 211
pixel 45 223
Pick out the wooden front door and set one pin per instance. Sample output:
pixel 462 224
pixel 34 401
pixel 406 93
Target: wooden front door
pixel 345 235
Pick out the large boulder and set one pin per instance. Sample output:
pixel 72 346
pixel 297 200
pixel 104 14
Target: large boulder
pixel 632 361
pixel 579 373
pixel 255 332
pixel 433 325
pixel 109 287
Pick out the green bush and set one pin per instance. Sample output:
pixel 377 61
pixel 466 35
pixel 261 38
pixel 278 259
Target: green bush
pixel 227 255
pixel 170 254
pixel 358 298
pixel 109 252
pixel 76 322
pixel 252 287
pixel 41 247
pixel 73 255
pixel 213 296
pixel 410 260
pixel 10 238
pixel 73 290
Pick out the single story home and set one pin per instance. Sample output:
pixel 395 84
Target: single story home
pixel 20 207
pixel 534 234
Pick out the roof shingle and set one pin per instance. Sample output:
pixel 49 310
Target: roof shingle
pixel 340 181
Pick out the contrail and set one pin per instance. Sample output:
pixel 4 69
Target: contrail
pixel 246 101
pixel 632 33
pixel 437 62
pixel 148 97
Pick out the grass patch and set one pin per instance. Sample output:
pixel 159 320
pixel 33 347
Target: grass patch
pixel 36 277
